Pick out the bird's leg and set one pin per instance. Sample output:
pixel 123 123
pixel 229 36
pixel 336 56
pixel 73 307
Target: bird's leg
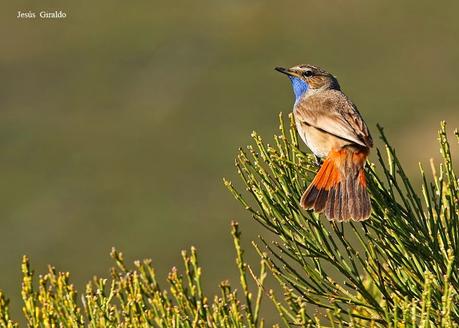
pixel 318 160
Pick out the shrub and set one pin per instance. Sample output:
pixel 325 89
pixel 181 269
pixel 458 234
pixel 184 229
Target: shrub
pixel 398 269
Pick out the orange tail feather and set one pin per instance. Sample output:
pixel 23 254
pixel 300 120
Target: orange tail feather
pixel 339 189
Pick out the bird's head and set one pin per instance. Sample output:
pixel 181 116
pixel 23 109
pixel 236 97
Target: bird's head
pixel 308 79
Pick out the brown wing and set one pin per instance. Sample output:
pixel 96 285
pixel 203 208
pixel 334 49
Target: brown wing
pixel 331 111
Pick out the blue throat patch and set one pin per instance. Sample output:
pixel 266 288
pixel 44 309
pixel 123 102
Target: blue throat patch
pixel 299 87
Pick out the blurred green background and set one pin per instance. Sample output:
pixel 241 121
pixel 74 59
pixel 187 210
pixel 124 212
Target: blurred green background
pixel 118 122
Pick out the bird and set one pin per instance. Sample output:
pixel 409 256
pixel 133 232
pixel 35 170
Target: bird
pixel 333 129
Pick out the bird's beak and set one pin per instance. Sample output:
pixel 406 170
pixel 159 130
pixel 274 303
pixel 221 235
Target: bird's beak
pixel 286 71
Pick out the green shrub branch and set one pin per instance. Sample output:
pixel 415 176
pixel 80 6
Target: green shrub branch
pixel 398 269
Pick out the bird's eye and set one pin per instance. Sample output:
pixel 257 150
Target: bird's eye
pixel 307 73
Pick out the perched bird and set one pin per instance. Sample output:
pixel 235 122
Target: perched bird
pixel 331 126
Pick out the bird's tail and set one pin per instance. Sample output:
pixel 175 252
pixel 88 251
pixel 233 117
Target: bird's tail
pixel 339 189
